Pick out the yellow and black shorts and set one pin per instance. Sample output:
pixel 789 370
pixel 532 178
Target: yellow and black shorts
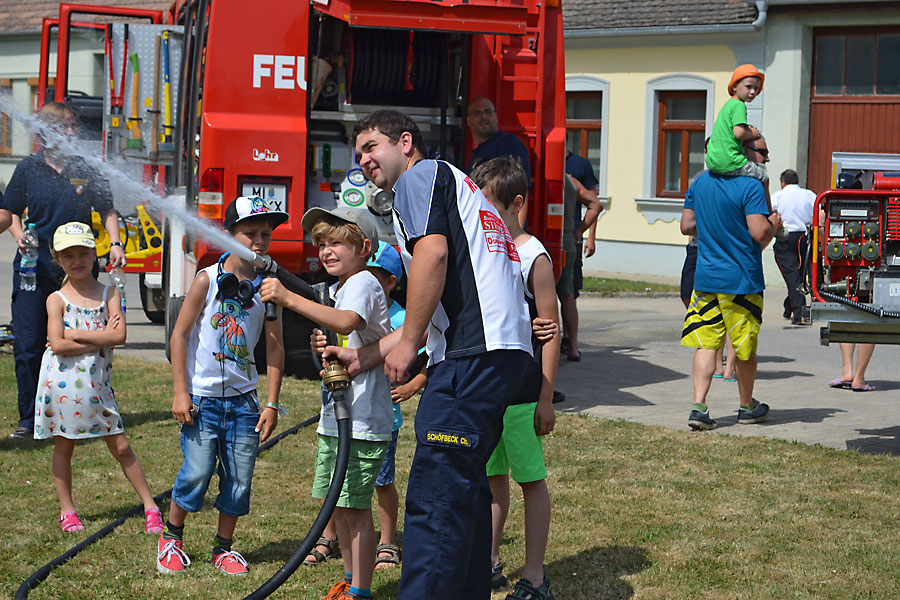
pixel 710 316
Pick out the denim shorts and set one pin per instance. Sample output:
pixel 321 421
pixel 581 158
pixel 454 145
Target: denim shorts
pixel 221 440
pixel 387 473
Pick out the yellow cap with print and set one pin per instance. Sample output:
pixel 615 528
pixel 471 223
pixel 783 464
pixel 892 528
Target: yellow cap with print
pixel 73 234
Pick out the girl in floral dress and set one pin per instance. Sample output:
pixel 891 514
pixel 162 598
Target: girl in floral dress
pixel 74 398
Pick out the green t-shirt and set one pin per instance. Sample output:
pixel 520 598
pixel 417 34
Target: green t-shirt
pixel 725 152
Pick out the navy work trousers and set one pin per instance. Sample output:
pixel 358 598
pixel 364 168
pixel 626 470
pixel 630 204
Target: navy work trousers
pixel 447 531
pixel 29 321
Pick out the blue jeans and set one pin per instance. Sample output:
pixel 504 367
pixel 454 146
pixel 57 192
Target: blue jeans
pixel 447 531
pixel 222 439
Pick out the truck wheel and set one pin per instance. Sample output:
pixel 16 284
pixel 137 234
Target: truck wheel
pixel 298 361
pixel 173 307
pixel 152 302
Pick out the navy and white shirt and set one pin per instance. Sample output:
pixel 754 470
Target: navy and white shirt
pixel 481 308
pixel 53 199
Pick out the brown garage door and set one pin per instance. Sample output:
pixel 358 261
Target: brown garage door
pixel 855 101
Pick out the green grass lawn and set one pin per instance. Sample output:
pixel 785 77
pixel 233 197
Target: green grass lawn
pixel 638 512
pixel 608 286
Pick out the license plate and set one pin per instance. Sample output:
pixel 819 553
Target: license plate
pixel 274 194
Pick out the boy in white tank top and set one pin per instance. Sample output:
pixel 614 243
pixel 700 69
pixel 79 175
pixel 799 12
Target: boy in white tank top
pixel 215 380
pixel 531 414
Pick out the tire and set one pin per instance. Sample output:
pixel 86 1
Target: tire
pixel 173 307
pixel 149 302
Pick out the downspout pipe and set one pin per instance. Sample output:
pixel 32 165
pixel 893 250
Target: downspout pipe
pixel 762 7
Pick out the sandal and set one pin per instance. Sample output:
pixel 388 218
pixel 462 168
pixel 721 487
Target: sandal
pixel 69 522
pixel 525 591
pixel 498 579
pixel 334 551
pixel 391 556
pixel 153 521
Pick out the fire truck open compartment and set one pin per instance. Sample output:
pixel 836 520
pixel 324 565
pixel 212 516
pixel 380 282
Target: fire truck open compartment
pixel 855 280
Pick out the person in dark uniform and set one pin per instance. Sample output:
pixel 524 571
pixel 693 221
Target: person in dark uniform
pixel 48 189
pixel 465 270
pixel 490 141
pixel 571 279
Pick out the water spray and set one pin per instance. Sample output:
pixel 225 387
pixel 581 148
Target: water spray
pixel 62 145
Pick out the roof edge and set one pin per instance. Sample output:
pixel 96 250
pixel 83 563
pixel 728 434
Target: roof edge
pixel 660 30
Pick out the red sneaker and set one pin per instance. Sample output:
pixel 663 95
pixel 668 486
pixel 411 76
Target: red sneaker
pixel 230 563
pixel 171 558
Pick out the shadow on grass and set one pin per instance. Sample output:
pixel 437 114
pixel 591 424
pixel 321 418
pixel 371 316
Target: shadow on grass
pixel 139 418
pixel 278 551
pixel 878 441
pixel 598 569
pixel 604 373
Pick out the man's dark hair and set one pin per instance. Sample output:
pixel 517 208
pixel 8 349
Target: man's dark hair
pixel 392 124
pixel 503 178
pixel 789 176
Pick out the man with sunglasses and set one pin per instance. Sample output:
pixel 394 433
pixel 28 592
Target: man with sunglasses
pixel 732 222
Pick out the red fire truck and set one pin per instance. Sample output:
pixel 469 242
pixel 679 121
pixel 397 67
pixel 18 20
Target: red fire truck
pixel 259 99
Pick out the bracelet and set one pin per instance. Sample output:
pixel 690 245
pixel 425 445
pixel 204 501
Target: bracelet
pixel 119 244
pixel 272 405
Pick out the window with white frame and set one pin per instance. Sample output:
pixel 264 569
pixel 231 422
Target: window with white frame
pixel 587 112
pixel 680 113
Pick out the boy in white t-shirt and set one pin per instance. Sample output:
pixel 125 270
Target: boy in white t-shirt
pixel 346 238
pixel 531 414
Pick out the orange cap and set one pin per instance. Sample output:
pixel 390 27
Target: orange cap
pixel 745 71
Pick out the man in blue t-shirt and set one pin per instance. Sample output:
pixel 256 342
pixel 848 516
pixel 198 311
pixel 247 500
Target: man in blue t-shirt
pixel 731 220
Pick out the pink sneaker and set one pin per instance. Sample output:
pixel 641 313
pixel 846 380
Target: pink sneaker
pixel 230 563
pixel 171 558
pixel 69 522
pixel 153 521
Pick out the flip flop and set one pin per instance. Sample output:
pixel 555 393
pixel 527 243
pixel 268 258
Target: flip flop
pixel 717 376
pixel 840 385
pixel 730 379
pixel 868 388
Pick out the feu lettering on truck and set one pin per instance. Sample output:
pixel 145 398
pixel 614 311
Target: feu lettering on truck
pixel 281 71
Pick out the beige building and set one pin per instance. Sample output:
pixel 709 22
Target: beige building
pixel 644 83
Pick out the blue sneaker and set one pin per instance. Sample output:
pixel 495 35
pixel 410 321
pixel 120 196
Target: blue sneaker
pixel 701 421
pixel 758 414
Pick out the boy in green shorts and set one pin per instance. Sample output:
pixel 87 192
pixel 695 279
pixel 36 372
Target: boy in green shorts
pixel 520 451
pixel 346 238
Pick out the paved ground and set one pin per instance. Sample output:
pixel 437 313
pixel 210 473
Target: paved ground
pixel 634 368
